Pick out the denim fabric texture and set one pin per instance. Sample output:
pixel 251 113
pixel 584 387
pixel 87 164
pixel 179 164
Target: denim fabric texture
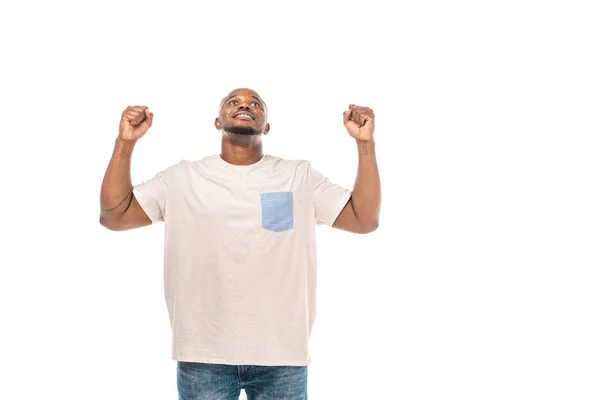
pixel 277 211
pixel 204 381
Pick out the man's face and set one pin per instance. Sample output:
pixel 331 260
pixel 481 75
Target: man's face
pixel 243 112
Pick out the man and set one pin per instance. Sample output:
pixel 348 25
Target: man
pixel 240 255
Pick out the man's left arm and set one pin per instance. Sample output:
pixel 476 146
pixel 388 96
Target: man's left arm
pixel 361 213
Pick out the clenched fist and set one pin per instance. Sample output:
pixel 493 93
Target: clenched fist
pixel 135 122
pixel 359 122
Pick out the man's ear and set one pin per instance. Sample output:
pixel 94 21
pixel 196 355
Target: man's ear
pixel 217 123
pixel 267 128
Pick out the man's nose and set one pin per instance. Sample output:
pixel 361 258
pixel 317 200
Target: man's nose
pixel 244 106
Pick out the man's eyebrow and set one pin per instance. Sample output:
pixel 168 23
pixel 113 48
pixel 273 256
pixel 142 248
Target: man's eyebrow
pixel 235 95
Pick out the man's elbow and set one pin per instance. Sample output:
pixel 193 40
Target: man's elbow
pixel 373 226
pixel 110 223
pixel 370 227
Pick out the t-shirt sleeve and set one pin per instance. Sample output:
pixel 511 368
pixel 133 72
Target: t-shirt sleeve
pixel 152 194
pixel 329 198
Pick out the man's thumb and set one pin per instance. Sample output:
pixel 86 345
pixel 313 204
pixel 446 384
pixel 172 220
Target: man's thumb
pixel 149 117
pixel 346 116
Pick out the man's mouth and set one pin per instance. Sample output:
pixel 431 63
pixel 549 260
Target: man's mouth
pixel 244 116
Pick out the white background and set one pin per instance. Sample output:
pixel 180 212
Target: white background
pixel 482 280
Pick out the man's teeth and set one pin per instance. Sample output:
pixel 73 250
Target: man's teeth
pixel 244 115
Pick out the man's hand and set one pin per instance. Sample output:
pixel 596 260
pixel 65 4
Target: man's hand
pixel 135 122
pixel 359 122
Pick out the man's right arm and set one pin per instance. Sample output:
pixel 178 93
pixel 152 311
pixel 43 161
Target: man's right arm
pixel 119 209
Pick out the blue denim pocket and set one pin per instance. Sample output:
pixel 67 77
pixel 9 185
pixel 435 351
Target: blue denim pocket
pixel 277 211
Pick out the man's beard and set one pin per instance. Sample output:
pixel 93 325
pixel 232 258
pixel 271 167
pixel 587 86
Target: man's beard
pixel 243 130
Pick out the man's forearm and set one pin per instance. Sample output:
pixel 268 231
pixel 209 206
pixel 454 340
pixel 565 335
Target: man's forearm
pixel 366 196
pixel 117 181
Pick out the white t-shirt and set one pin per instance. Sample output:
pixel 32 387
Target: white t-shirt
pixel 240 256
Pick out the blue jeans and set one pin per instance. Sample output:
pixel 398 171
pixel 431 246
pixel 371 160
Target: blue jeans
pixel 203 381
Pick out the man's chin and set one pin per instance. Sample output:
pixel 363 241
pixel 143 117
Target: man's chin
pixel 243 130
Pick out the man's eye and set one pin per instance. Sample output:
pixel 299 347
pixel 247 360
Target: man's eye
pixel 232 102
pixel 255 103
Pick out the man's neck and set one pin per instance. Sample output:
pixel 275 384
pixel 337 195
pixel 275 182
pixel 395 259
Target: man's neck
pixel 241 150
